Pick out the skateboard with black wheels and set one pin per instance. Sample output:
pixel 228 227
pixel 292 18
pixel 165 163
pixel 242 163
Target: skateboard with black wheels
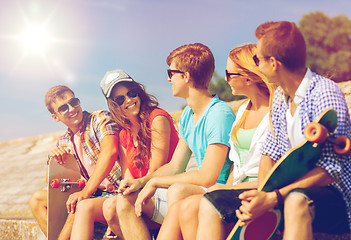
pixel 64 180
pixel 293 165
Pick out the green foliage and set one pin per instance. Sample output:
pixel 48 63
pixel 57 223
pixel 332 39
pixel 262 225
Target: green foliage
pixel 219 86
pixel 328 45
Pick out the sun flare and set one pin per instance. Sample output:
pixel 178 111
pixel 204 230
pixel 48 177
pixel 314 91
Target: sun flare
pixel 35 39
pixel 38 42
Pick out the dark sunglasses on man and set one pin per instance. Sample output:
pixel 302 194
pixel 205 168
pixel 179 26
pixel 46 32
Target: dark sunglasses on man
pixel 121 98
pixel 257 59
pixel 172 72
pixel 64 109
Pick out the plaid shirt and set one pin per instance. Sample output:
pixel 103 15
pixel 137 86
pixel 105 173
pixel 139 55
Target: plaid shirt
pixel 321 94
pixel 95 126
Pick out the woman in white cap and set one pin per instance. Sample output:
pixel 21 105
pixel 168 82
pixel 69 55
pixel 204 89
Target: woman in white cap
pixel 147 140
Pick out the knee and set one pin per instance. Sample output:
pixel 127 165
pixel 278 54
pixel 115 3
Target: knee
pixel 206 210
pixel 85 206
pixel 109 208
pixel 176 192
pixel 296 205
pixel 38 199
pixel 124 204
pixel 187 209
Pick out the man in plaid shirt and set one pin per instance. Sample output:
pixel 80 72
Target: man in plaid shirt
pixel 93 139
pixel 320 200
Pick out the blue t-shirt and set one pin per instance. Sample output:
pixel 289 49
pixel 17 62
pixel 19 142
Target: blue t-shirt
pixel 213 127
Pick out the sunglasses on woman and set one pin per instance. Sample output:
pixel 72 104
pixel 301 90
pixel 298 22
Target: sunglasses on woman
pixel 64 109
pixel 121 98
pixel 228 74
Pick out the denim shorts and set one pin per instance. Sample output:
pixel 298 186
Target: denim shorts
pixel 328 209
pixel 161 207
pixel 225 202
pixel 102 194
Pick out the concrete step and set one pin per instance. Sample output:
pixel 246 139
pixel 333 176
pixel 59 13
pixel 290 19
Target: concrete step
pixel 28 229
pixel 20 229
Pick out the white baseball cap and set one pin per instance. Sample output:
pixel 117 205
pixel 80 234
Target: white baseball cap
pixel 111 78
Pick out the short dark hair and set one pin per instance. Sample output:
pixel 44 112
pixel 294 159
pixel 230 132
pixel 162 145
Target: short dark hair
pixel 284 41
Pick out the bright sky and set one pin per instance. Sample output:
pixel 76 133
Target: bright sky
pixel 45 43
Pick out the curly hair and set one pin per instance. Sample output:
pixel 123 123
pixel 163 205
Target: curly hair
pixel 147 105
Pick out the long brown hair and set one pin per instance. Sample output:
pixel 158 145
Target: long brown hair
pixel 147 105
pixel 243 57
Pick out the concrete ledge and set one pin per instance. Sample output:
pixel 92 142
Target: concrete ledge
pixel 26 229
pixel 323 236
pixel 320 236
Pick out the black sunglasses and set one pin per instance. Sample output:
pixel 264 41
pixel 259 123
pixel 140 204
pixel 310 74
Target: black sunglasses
pixel 172 72
pixel 228 74
pixel 64 109
pixel 121 98
pixel 257 59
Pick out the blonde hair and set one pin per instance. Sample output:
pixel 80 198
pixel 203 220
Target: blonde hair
pixel 242 56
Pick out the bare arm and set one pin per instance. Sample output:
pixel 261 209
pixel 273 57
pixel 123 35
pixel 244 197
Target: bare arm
pixel 266 164
pixel 104 164
pixel 178 164
pixel 160 139
pixel 206 176
pixel 229 184
pixel 317 177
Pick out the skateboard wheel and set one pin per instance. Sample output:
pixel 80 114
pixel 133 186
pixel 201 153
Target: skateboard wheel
pixel 55 183
pixel 343 146
pixel 316 133
pixel 80 183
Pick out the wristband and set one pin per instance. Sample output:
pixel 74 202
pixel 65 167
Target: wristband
pixel 279 198
pixel 48 160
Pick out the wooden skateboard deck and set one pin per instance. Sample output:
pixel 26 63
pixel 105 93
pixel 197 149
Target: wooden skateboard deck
pixel 293 165
pixel 57 211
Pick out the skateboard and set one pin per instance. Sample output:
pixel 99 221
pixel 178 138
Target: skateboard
pixel 64 180
pixel 293 165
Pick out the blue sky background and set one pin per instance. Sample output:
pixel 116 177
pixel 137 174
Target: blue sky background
pixel 86 38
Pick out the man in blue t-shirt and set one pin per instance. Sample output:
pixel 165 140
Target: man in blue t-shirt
pixel 204 131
